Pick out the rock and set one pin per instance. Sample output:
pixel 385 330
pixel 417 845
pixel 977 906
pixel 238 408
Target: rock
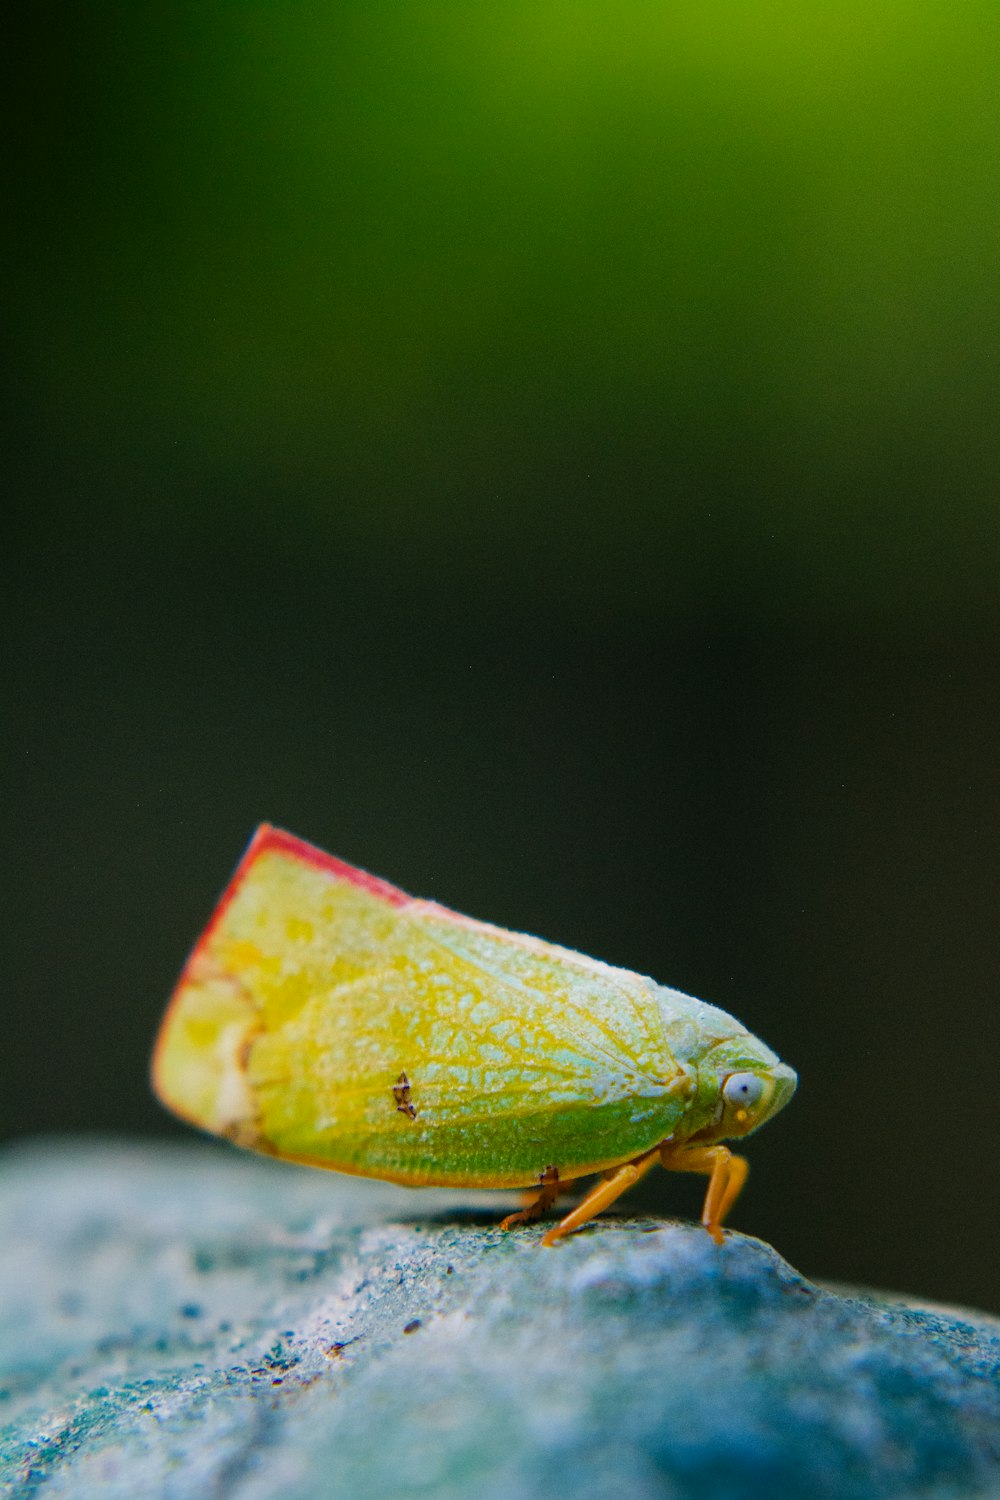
pixel 189 1322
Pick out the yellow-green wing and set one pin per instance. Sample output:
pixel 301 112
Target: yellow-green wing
pixel 325 1016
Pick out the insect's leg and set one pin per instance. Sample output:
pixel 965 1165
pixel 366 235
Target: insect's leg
pixel 726 1175
pixel 535 1207
pixel 738 1169
pixel 603 1195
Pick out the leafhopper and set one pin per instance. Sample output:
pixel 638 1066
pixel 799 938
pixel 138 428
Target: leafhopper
pixel 326 1017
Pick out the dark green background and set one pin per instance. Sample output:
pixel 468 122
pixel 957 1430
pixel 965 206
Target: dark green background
pixel 547 454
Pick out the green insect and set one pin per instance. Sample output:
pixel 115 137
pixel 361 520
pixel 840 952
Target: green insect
pixel 326 1017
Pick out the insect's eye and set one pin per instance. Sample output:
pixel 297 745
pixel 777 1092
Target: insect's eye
pixel 742 1089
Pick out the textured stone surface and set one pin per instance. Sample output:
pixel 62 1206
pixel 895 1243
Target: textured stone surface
pixel 191 1322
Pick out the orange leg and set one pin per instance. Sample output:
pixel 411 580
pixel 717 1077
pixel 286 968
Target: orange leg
pixel 726 1175
pixel 535 1207
pixel 603 1195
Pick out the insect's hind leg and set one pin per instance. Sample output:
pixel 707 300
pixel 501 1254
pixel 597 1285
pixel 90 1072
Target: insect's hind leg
pixel 535 1207
pixel 603 1194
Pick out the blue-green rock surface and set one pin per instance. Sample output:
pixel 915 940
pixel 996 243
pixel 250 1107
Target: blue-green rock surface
pixel 194 1323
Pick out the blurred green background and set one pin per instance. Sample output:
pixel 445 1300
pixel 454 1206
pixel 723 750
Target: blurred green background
pixel 547 454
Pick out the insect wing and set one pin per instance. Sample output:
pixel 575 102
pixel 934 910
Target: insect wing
pixel 316 989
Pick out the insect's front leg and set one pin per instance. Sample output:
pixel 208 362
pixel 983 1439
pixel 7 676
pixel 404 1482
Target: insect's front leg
pixel 727 1174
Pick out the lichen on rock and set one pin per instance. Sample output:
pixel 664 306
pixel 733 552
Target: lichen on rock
pixel 187 1322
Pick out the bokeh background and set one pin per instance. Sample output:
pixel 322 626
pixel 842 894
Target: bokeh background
pixel 547 454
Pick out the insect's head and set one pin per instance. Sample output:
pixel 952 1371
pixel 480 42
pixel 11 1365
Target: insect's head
pixel 743 1084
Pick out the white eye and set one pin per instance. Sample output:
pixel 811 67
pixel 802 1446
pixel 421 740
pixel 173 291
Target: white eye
pixel 742 1089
